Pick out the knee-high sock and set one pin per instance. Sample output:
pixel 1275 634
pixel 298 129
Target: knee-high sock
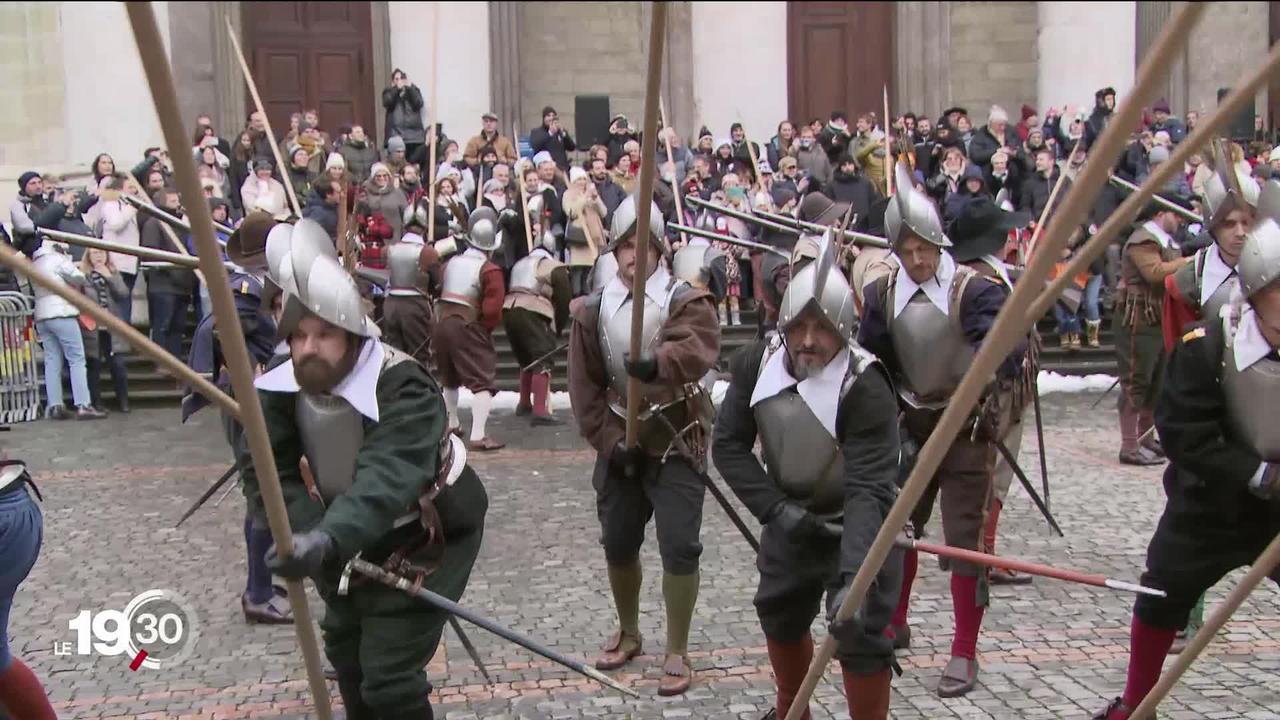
pixel 910 563
pixel 480 403
pixel 1128 426
pixel 624 582
pixel 993 520
pixel 790 661
pixel 964 602
pixel 259 543
pixel 680 593
pixel 867 694
pixel 526 387
pixel 451 404
pixel 541 385
pixel 1148 646
pixel 22 694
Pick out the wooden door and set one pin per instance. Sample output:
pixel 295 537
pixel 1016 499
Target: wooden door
pixel 312 55
pixel 839 57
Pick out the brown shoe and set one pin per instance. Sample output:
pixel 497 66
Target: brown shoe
pixel 677 676
pixel 1141 457
pixel 486 444
pixel 619 651
pixel 958 677
pixel 272 612
pixel 1001 576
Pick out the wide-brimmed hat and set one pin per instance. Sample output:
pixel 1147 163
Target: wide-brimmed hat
pixel 818 208
pixel 247 246
pixel 982 228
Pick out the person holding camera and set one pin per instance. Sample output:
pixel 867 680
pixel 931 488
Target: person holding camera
pixel 620 131
pixel 550 137
pixel 403 103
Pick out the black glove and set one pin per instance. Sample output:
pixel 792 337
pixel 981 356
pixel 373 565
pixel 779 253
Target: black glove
pixel 629 462
pixel 848 633
pixel 644 369
pixel 800 524
pixel 310 551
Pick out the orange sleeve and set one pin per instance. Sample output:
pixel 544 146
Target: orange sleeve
pixel 1176 314
pixel 491 297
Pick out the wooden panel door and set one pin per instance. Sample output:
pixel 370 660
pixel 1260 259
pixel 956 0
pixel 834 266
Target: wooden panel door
pixel 839 57
pixel 313 55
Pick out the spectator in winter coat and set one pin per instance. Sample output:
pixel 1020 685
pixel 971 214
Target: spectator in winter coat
pixel 23 210
pixel 169 290
pixel 679 153
pixel 947 182
pixel 741 149
pixel 381 196
pixel 620 132
pixel 993 136
pixel 972 186
pixel 812 158
pixel 63 213
pixel 849 186
pixel 552 138
pixel 1166 122
pixel 723 161
pixel 322 206
pixel 489 137
pixel 1004 174
pixel 403 103
pixel 1104 104
pixel 300 174
pixel 835 137
pixel 263 192
pixel 1037 188
pixel 359 154
pixel 606 190
pixel 57 322
pixel 1029 120
pixel 783 144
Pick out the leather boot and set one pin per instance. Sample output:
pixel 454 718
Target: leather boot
pixel 1117 710
pixel 23 695
pixel 1074 340
pixel 790 662
pixel 867 694
pixel 352 700
pixel 1146 421
pixel 1091 329
pixel 1131 453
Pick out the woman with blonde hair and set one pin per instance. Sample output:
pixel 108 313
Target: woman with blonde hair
pixel 104 286
pixel 584 227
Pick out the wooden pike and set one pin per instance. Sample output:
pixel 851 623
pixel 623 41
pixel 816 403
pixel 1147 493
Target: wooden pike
pixel 136 250
pixel 155 63
pixel 435 120
pixel 1048 206
pixel 675 181
pixel 889 162
pixel 524 198
pixel 1011 325
pixel 644 202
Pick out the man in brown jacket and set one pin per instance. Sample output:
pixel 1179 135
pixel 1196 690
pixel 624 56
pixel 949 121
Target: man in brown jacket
pixel 655 478
pixel 1148 257
pixel 489 136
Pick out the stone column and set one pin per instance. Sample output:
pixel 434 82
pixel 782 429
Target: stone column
pixel 229 90
pixel 1151 19
pixel 504 60
pixel 922 58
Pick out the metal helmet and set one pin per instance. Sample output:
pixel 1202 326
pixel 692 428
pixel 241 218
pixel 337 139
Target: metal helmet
pixel 821 286
pixel 332 295
pixel 307 243
pixel 626 219
pixel 1259 262
pixel 911 211
pixel 1269 201
pixel 535 205
pixel 415 214
pixel 280 272
pixel 482 230
pixel 1225 189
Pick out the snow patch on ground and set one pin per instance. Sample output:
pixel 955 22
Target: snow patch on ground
pixel 507 400
pixel 1051 382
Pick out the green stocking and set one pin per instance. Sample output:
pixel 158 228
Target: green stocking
pixel 624 581
pixel 680 593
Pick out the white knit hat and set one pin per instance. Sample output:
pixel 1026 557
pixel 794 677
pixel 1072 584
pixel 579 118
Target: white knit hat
pixel 447 170
pixel 335 161
pixel 542 157
pixel 576 173
pixel 997 114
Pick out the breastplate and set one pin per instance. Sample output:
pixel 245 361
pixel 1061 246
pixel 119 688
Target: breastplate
pixel 800 455
pixel 1252 395
pixel 524 274
pixel 402 266
pixel 932 352
pixel 461 283
pixel 689 264
pixel 1219 298
pixel 332 434
pixel 615 339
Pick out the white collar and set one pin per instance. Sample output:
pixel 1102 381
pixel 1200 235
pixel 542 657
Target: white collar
pixel 1249 346
pixel 1216 272
pixel 359 387
pixel 936 288
pixel 1162 237
pixel 475 253
pixel 412 238
pixel 820 392
pixel 616 292
pixel 540 249
pixel 1000 267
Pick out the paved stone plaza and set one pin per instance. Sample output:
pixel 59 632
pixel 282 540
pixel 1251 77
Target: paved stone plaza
pixel 114 489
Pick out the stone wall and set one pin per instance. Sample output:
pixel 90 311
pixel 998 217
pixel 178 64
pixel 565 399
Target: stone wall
pixel 1231 39
pixel 993 56
pixel 31 82
pixel 571 48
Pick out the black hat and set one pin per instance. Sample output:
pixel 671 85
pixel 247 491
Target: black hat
pixel 982 228
pixel 954 109
pixel 247 246
pixel 818 208
pixel 1154 206
pixel 548 110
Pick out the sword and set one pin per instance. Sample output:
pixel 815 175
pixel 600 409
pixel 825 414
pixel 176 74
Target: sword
pixel 208 493
pixel 471 649
pixel 1030 568
pixel 1044 461
pixel 1026 484
pixel 364 567
pixel 544 356
pixel 1105 393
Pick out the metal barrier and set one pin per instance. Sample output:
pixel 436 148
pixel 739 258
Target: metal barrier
pixel 19 379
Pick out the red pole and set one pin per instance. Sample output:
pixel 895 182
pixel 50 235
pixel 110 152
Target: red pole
pixel 1030 568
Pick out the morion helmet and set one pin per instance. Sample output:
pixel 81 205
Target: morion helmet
pixel 1259 262
pixel 911 211
pixel 821 285
pixel 626 219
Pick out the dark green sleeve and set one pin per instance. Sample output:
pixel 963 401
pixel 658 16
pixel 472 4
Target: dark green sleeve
pixel 398 460
pixel 286 447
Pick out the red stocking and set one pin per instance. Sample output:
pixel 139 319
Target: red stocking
pixel 790 661
pixel 22 694
pixel 964 601
pixel 1148 647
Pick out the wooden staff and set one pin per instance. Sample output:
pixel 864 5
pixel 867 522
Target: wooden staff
pixel 1123 215
pixel 1048 206
pixel 644 202
pixel 888 147
pixel 155 63
pixel 344 241
pixel 135 250
pixel 435 118
pixel 266 121
pixel 1010 327
pixel 675 181
pixel 755 162
pixel 524 200
pixel 173 236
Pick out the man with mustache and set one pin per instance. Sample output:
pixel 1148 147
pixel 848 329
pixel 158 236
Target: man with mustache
pixel 824 411
pixel 651 479
pixel 383 481
pixel 925 322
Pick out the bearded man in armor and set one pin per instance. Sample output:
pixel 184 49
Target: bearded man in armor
pixel 413 278
pixel 383 480
pixel 470 309
pixel 925 322
pixel 681 342
pixel 1216 417
pixel 535 312
pixel 825 413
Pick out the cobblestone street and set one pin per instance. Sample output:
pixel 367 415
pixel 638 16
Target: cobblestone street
pixel 114 489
